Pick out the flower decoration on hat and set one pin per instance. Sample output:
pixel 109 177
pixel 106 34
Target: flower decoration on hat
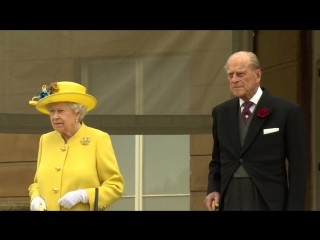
pixel 46 91
pixel 53 88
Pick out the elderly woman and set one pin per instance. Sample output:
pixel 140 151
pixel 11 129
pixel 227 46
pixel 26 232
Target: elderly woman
pixel 74 160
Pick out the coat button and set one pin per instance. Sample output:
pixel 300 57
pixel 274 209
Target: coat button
pixel 63 148
pixel 58 168
pixel 102 208
pixel 241 160
pixel 55 190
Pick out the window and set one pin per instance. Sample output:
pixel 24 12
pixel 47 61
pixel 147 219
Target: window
pixel 156 171
pixel 146 86
pixel 155 167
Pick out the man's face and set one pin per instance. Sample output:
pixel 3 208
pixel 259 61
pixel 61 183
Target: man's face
pixel 243 80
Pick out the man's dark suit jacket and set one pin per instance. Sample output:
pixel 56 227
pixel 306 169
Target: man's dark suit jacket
pixel 262 155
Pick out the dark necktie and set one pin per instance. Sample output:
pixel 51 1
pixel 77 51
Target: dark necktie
pixel 246 113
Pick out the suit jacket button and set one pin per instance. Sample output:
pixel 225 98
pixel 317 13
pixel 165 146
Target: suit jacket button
pixel 241 160
pixel 55 190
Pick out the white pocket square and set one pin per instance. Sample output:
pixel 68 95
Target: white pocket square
pixel 270 130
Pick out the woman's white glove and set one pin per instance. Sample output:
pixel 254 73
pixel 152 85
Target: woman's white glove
pixel 72 198
pixel 36 202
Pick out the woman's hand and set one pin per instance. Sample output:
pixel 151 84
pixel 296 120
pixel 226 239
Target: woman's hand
pixel 72 198
pixel 36 202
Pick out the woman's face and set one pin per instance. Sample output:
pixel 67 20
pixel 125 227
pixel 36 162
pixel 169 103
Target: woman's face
pixel 63 119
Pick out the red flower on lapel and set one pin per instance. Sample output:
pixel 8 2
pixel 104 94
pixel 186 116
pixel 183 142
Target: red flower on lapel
pixel 263 112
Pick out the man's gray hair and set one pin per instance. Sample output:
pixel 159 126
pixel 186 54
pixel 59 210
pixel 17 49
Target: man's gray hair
pixel 253 59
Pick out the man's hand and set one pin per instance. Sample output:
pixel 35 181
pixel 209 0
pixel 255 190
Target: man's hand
pixel 72 198
pixel 213 197
pixel 36 202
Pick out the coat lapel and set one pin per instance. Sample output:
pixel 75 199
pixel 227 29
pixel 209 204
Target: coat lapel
pixel 257 122
pixel 233 124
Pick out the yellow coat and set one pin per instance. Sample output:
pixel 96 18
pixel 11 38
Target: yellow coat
pixel 78 164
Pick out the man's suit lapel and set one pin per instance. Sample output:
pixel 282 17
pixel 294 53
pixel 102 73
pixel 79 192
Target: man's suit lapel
pixel 257 122
pixel 233 124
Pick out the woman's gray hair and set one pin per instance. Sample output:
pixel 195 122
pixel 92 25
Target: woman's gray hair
pixel 79 108
pixel 253 59
pixel 76 108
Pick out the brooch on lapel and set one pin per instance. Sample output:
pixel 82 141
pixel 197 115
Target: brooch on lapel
pixel 263 112
pixel 85 141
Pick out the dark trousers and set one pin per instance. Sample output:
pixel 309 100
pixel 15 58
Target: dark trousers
pixel 243 195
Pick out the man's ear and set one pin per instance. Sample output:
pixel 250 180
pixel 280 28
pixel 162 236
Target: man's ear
pixel 258 75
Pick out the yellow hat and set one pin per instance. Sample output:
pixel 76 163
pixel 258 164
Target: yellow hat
pixel 63 92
